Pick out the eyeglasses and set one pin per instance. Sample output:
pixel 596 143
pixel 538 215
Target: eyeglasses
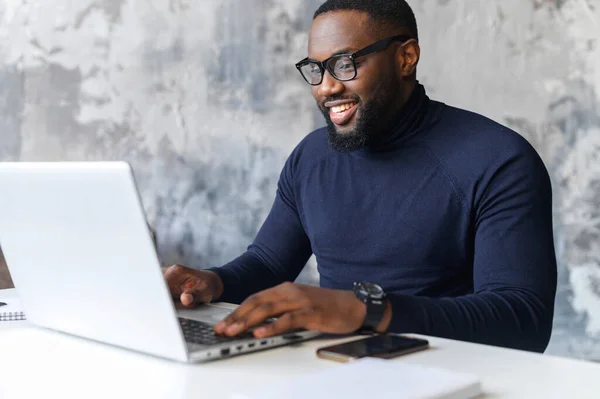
pixel 341 66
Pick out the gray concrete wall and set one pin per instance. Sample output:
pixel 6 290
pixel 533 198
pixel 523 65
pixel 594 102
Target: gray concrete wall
pixel 203 100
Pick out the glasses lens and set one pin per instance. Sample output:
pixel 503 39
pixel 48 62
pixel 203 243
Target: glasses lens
pixel 342 67
pixel 312 73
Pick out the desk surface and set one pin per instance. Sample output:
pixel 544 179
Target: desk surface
pixel 35 362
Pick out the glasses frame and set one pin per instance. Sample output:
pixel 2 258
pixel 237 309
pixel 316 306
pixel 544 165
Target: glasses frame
pixel 372 48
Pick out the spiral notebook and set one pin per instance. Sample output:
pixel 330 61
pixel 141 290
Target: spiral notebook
pixel 12 311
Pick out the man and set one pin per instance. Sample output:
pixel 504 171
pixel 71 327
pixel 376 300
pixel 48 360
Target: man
pixel 423 218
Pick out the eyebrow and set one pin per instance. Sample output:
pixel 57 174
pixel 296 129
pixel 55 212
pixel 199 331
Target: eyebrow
pixel 345 50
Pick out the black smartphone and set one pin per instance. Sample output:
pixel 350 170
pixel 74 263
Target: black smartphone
pixel 384 346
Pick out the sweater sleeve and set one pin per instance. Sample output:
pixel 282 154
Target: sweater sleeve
pixel 514 268
pixel 279 252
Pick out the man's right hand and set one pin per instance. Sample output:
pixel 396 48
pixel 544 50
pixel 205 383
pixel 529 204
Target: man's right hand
pixel 192 287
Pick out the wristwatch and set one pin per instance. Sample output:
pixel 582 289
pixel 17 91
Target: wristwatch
pixel 374 297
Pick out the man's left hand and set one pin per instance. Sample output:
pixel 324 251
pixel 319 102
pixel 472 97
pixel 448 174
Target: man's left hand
pixel 296 306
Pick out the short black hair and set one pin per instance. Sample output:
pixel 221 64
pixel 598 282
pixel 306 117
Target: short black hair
pixel 396 13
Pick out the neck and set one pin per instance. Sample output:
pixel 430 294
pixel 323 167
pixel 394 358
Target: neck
pixel 405 123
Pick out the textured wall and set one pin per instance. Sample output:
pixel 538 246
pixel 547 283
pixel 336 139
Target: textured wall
pixel 202 98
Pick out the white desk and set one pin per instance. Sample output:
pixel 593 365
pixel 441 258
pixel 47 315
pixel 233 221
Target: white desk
pixel 38 363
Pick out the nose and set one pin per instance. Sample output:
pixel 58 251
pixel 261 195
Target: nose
pixel 330 86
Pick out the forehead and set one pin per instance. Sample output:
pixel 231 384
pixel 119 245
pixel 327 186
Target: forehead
pixel 338 31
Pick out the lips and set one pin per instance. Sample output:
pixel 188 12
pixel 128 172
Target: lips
pixel 341 112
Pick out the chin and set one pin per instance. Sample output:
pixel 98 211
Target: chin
pixel 344 130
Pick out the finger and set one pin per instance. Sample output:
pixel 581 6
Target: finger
pixel 262 313
pixel 175 276
pixel 245 307
pixel 193 285
pixel 191 300
pixel 279 292
pixel 289 321
pixel 186 299
pixel 195 291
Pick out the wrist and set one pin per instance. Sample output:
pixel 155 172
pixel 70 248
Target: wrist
pixel 386 319
pixel 359 311
pixel 374 303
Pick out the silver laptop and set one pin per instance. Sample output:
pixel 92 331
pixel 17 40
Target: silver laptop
pixel 83 261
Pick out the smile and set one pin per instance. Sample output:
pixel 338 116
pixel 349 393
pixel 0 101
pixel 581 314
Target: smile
pixel 341 114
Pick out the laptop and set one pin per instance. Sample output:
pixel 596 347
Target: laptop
pixel 83 262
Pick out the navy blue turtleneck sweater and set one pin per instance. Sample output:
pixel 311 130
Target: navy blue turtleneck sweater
pixel 451 213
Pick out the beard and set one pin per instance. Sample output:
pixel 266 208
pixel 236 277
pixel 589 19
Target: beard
pixel 359 136
pixel 367 128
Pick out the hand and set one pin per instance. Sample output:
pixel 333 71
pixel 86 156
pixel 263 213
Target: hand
pixel 299 306
pixel 192 287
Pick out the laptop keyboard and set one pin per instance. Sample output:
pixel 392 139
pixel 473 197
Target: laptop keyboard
pixel 198 332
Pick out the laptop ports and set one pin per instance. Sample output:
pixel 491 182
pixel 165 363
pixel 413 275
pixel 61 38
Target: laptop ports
pixel 292 337
pixel 225 352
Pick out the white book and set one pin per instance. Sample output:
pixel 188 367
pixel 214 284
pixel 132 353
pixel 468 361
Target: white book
pixel 374 378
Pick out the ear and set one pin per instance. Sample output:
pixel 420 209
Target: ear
pixel 408 56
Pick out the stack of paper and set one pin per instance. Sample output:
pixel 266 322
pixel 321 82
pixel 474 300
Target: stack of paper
pixel 374 378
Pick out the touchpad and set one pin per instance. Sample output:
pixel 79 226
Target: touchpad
pixel 207 313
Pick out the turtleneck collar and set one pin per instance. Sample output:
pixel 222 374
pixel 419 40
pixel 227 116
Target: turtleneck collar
pixel 411 119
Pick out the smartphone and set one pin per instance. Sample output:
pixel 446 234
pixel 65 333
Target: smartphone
pixel 383 346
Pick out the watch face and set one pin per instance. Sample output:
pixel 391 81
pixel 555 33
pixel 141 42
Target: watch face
pixel 371 290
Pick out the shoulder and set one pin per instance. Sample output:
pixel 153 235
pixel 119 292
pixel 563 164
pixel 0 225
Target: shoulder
pixel 475 131
pixel 477 151
pixel 466 138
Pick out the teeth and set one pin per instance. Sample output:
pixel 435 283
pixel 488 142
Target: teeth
pixel 342 108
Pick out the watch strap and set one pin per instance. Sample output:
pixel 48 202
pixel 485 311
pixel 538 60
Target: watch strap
pixel 375 311
pixel 375 308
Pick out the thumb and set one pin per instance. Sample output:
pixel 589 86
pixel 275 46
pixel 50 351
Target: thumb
pixel 195 291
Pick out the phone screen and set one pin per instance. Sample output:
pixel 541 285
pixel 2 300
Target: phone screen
pixel 377 345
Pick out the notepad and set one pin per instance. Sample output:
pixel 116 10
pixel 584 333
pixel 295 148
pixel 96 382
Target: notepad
pixel 374 378
pixel 12 311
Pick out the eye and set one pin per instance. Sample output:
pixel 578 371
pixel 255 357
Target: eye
pixel 344 65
